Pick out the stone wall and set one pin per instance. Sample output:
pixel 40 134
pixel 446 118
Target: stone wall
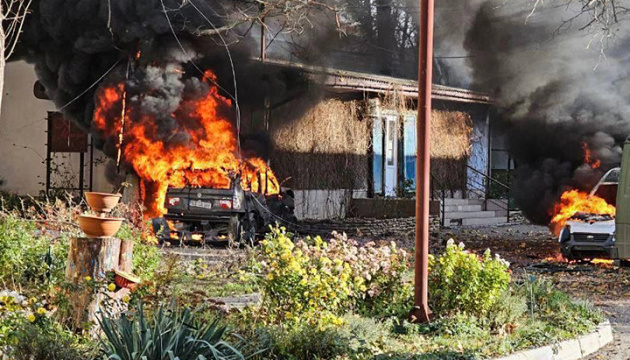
pixel 359 227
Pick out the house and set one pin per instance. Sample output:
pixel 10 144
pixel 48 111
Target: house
pixel 357 141
pixel 354 140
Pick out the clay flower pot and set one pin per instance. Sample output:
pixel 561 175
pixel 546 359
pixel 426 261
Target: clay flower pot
pixel 102 202
pixel 125 280
pixel 94 226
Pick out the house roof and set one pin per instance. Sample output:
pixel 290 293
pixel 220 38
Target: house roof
pixel 349 81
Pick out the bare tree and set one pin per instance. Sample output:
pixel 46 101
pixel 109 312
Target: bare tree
pixel 13 14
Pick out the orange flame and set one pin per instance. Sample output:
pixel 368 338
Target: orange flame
pixel 205 160
pixel 574 201
pixel 588 157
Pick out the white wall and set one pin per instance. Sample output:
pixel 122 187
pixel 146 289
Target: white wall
pixel 23 136
pixel 324 204
pixel 22 131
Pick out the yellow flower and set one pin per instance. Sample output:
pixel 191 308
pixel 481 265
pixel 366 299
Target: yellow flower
pixel 30 317
pixel 270 276
pixel 32 301
pixel 126 299
pixel 41 311
pixel 111 287
pixel 88 278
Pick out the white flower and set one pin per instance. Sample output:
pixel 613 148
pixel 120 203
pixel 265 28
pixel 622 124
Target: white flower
pixel 450 241
pixel 461 245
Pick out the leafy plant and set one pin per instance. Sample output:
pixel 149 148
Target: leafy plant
pixel 302 341
pixel 545 302
pixel 319 281
pixel 463 282
pixel 26 258
pixel 504 314
pixel 170 333
pixel 146 257
pixel 46 342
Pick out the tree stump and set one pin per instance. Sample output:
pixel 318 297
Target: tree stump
pixel 92 257
pixel 125 262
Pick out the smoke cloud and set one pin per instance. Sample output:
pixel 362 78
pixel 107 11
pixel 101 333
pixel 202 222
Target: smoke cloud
pixel 75 43
pixel 555 94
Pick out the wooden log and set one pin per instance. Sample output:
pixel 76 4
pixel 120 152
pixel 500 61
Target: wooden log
pixel 125 262
pixel 89 257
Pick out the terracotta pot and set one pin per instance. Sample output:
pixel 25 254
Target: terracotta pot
pixel 126 280
pixel 94 226
pixel 102 202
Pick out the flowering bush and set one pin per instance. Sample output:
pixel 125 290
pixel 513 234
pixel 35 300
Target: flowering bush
pixel 463 282
pixel 318 281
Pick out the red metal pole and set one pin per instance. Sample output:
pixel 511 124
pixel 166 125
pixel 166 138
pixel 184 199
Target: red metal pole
pixel 421 311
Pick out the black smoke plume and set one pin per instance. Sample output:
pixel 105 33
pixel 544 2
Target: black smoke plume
pixel 83 44
pixel 558 87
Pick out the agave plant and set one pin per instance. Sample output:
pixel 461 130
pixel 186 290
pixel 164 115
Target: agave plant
pixel 168 334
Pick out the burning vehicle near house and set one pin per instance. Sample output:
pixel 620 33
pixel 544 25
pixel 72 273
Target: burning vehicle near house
pixel 207 215
pixel 586 221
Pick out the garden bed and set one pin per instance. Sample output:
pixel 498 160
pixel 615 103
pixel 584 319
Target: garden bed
pixel 319 299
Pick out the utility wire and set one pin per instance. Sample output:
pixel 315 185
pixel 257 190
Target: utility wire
pixel 90 87
pixel 229 54
pixel 190 59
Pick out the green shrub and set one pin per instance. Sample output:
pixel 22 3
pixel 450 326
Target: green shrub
pixel 167 334
pixel 318 281
pixel 546 303
pixel 463 282
pixel 506 311
pixel 27 259
pixel 47 341
pixel 301 341
pixel 357 337
pixel 146 257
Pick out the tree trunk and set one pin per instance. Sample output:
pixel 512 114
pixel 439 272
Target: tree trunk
pixel 126 253
pixel 385 35
pixel 92 257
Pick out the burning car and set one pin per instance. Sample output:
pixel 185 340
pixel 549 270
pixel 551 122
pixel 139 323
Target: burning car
pixel 589 230
pixel 214 215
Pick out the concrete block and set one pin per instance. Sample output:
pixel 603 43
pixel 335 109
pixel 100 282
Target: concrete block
pixel 568 350
pixel 469 214
pixel 484 221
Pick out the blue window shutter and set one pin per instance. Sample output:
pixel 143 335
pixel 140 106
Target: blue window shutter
pixel 410 149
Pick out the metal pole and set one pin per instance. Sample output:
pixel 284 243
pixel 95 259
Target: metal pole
pixel 421 312
pixel 48 152
pixel 81 172
pixel 263 41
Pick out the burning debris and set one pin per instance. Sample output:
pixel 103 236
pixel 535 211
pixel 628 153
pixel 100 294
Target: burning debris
pixel 177 144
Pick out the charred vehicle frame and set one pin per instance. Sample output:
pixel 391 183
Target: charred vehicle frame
pixel 208 215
